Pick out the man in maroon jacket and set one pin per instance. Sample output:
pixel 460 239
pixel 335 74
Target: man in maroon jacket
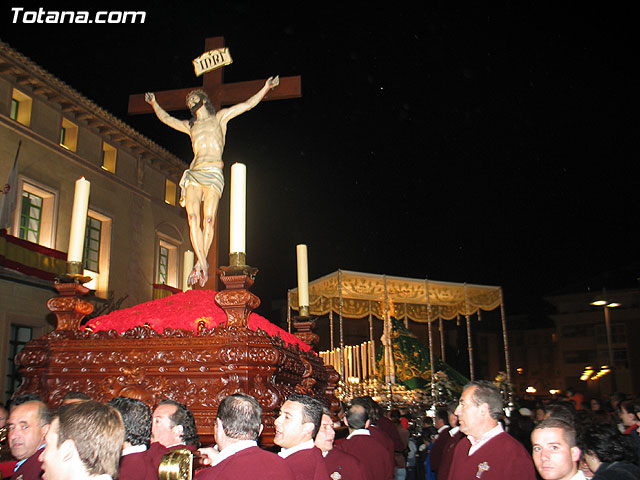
pixel 136 416
pixel 488 452
pixel 238 426
pixel 296 428
pixel 340 465
pixel 28 425
pixel 173 427
pixel 364 447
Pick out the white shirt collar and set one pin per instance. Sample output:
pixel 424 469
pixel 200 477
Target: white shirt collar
pixel 579 476
pixel 442 428
pixel 453 431
pixel 134 449
pixel 285 452
pixel 232 449
pixel 477 443
pixel 360 431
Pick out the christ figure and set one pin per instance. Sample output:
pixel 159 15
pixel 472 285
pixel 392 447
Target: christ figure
pixel 202 183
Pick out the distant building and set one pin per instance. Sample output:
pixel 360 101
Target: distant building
pixel 574 349
pixel 136 232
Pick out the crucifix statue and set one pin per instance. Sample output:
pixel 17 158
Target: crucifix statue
pixel 201 185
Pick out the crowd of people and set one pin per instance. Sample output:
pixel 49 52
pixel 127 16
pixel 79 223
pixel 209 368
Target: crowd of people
pixel 467 439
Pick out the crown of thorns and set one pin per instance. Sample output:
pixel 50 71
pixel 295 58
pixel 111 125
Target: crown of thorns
pixel 200 93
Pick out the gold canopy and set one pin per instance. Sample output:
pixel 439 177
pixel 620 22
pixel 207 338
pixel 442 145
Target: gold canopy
pixel 367 293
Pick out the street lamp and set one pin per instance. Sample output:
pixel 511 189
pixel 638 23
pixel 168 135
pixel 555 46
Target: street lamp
pixel 607 323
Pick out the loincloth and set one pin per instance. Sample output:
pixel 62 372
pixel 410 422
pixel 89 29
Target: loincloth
pixel 207 176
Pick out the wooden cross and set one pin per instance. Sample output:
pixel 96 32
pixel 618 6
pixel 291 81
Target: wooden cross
pixel 221 94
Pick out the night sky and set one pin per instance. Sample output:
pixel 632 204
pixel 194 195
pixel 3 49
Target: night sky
pixel 491 145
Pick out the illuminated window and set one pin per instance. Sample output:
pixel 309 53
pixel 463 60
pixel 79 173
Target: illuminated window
pixel 97 252
pixel 109 158
pixel 20 108
pixel 30 217
pixel 167 263
pixel 169 192
pixel 68 135
pixel 34 218
pixel 92 244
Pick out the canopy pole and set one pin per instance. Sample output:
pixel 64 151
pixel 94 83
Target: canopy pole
pixel 469 341
pixel 388 354
pixel 289 309
pixel 442 350
pixel 431 357
pixel 341 324
pixel 505 338
pixel 372 349
pixel 331 325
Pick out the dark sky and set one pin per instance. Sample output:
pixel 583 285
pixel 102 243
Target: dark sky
pixel 493 145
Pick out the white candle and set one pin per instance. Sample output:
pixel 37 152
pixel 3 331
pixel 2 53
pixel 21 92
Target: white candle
pixel 78 220
pixel 238 208
pixel 187 266
pixel 303 275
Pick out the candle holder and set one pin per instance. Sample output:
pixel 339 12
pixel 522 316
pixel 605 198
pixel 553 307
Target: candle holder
pixel 304 324
pixel 236 300
pixel 69 307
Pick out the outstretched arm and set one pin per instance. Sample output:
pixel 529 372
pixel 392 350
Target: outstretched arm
pixel 180 125
pixel 232 112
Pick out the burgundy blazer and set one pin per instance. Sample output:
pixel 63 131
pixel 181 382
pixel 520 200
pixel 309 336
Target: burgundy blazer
pixel 308 464
pixel 135 466
pixel 31 469
pixel 374 457
pixel 348 466
pixel 438 448
pixel 252 463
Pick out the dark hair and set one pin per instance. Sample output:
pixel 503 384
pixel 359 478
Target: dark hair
pixel 97 432
pixel 357 416
pixel 630 407
pixel 136 416
pixel 563 411
pixel 76 396
pixel 568 430
pixel 370 406
pixel 442 414
pixel 311 410
pixel 241 416
pixel 487 392
pixel 23 398
pixel 607 443
pixel 203 100
pixel 184 417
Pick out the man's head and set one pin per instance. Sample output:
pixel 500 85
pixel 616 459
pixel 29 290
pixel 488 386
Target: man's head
pixel 299 420
pixel 85 439
pixel 326 434
pixel 442 418
pixel 554 449
pixel 239 418
pixel 370 405
pixel 452 418
pixel 4 416
pixel 173 424
pixel 479 409
pixel 357 417
pixel 136 416
pixel 73 397
pixel 28 424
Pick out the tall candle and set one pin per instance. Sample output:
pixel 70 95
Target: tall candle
pixel 187 266
pixel 303 275
pixel 238 208
pixel 78 220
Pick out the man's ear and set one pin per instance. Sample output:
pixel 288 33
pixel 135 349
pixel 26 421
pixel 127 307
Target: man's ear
pixel 345 421
pixel 178 430
pixel 308 427
pixel 260 432
pixel 576 453
pixel 367 424
pixel 68 450
pixel 45 430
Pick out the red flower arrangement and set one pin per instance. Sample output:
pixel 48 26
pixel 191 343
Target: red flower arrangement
pixel 187 311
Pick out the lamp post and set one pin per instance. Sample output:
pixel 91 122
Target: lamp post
pixel 607 324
